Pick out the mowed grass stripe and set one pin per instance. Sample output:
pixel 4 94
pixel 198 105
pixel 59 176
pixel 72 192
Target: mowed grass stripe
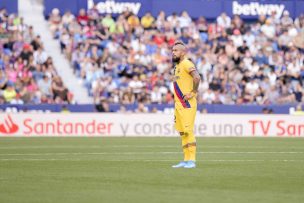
pixel 156 160
pixel 142 146
pixel 141 153
pixel 146 175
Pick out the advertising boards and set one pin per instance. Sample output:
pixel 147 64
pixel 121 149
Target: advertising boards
pixel 247 9
pixel 147 125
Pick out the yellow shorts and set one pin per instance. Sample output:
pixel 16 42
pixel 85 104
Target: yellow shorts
pixel 184 118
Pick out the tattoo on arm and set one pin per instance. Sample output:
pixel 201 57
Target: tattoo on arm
pixel 196 79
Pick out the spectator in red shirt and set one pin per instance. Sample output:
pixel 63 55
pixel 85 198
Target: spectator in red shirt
pixel 82 18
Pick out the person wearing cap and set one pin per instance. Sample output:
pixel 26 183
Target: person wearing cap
pixel 286 20
pixel 26 52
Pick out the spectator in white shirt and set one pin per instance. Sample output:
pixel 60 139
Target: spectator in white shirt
pixel 204 67
pixel 156 96
pixel 223 20
pixel 40 56
pixel 268 29
pixel 173 19
pixel 249 38
pixel 136 85
pixel 237 38
pixel 208 97
pixel 251 87
pixel 45 85
pixel 67 18
pixel 286 20
pixel 184 20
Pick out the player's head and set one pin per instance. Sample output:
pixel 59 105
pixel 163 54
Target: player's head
pixel 178 51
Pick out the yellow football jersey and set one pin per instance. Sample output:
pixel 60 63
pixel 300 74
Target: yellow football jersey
pixel 183 83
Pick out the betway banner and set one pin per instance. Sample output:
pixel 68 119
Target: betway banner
pixel 248 9
pixel 258 8
pixel 210 9
pixel 108 125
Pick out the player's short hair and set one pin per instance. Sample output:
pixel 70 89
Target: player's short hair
pixel 179 43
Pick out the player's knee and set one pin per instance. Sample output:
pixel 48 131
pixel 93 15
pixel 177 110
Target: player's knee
pixel 192 144
pixel 183 133
pixel 188 132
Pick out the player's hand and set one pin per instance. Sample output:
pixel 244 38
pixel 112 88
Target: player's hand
pixel 189 96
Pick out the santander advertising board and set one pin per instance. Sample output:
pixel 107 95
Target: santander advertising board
pixel 57 126
pixel 148 125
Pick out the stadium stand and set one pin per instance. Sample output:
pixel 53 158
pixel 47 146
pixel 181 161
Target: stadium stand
pixel 127 59
pixel 27 74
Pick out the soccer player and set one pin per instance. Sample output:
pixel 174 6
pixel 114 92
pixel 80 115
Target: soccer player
pixel 186 82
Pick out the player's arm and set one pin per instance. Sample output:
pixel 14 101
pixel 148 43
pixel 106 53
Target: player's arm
pixel 196 81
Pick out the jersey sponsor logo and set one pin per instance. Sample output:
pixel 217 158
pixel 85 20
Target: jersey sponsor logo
pixel 8 127
pixel 113 7
pixel 256 8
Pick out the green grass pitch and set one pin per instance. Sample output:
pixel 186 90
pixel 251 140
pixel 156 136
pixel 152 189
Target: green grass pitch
pixel 89 170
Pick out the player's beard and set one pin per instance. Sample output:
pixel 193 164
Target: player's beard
pixel 175 60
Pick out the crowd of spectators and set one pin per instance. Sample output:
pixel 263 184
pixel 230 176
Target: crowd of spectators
pixel 27 74
pixel 126 59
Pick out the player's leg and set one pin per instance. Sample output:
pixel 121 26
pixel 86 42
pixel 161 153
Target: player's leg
pixel 191 138
pixel 179 128
pixel 190 141
pixel 191 146
pixel 184 146
pixel 182 126
pixel 185 151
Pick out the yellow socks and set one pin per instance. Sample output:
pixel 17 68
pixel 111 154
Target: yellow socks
pixel 189 147
pixel 192 151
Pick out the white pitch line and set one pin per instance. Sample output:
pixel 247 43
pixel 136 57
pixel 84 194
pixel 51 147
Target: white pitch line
pixel 88 147
pixel 154 160
pixel 251 152
pixel 137 153
pixel 140 146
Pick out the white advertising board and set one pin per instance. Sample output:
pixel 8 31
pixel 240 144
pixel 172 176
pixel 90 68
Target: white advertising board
pixel 114 124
